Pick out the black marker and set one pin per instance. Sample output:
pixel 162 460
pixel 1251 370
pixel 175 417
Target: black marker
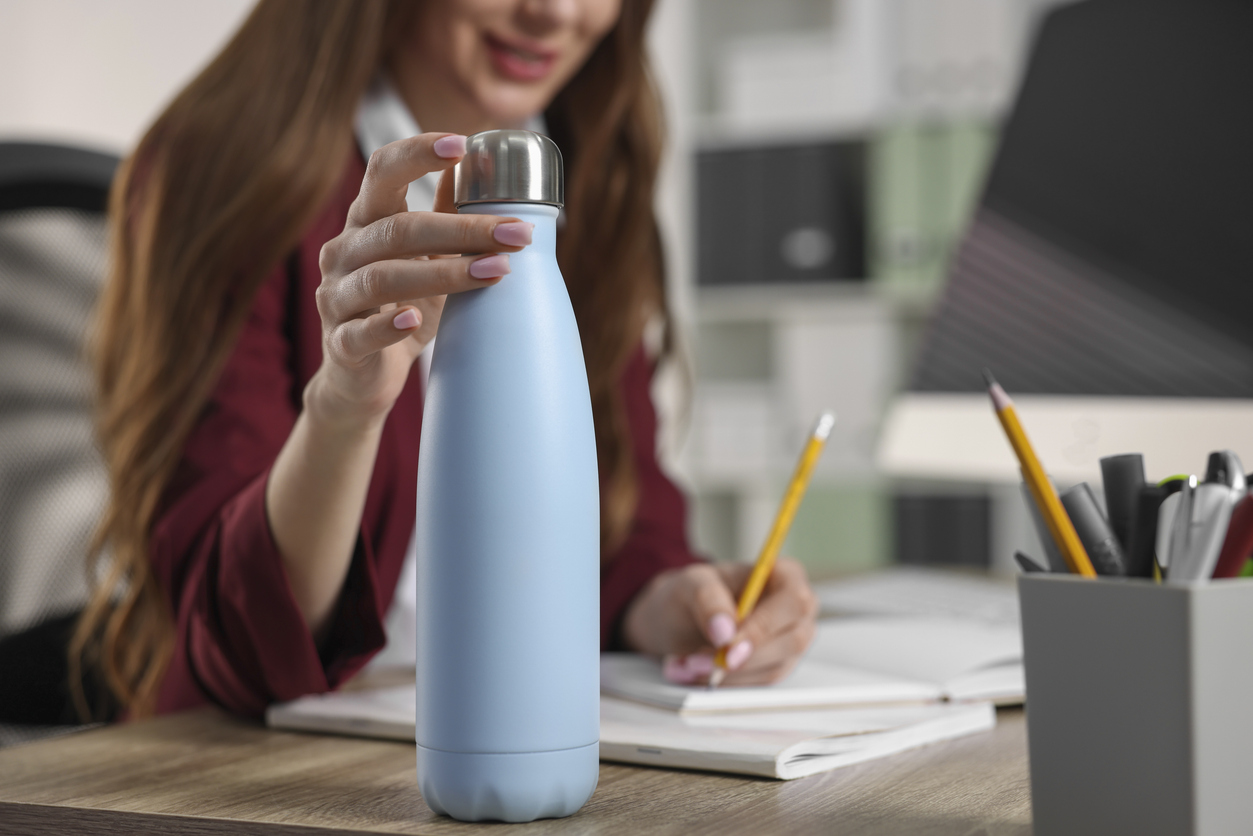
pixel 1094 530
pixel 1142 550
pixel 1122 477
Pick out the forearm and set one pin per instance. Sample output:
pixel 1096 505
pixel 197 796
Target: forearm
pixel 314 501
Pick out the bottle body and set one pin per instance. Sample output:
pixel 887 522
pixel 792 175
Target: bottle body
pixel 508 539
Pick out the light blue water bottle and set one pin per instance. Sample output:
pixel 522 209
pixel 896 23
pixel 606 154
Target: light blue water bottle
pixel 508 527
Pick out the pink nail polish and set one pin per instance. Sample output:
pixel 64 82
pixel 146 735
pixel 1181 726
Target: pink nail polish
pixel 721 629
pixel 450 146
pixel 700 664
pixel 739 654
pixel 490 267
pixel 675 670
pixel 515 234
pixel 407 319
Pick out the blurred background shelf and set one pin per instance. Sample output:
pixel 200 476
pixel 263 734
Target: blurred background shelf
pixel 829 154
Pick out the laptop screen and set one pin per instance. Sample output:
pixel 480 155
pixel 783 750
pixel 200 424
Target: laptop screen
pixel 1112 253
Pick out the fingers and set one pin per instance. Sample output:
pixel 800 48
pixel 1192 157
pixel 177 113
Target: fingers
pixel 394 166
pixel 711 604
pixel 414 234
pixel 778 631
pixel 398 280
pixel 352 343
pixel 687 670
pixel 786 599
pixel 684 614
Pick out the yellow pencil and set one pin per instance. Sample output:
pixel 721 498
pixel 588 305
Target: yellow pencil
pixel 1042 491
pixel 778 533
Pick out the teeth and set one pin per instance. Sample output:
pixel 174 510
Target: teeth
pixel 526 56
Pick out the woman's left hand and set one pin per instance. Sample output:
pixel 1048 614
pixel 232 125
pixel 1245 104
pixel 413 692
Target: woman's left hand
pixel 685 614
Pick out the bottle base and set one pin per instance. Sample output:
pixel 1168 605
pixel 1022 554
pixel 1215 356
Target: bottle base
pixel 515 787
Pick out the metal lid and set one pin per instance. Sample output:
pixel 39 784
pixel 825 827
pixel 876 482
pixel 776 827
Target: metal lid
pixel 509 166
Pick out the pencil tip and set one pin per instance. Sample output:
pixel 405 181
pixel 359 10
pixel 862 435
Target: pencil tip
pixel 1000 400
pixel 716 677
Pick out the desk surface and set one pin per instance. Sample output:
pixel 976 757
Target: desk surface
pixel 204 773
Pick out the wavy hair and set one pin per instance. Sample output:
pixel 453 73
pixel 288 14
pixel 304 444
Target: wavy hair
pixel 257 139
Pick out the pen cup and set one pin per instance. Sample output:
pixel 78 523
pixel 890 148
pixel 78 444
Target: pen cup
pixel 1139 714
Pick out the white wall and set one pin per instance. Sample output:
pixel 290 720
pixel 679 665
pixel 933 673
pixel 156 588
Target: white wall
pixel 96 72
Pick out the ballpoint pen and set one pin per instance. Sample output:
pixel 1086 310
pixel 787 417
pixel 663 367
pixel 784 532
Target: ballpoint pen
pixel 1202 519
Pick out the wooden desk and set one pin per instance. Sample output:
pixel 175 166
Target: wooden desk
pixel 204 772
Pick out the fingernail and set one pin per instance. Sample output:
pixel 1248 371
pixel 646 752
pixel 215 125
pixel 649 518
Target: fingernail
pixel 700 664
pixel 450 146
pixel 490 267
pixel 721 629
pixel 407 319
pixel 739 654
pixel 675 670
pixel 515 234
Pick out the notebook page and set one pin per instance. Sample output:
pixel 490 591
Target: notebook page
pixel 828 753
pixel 776 744
pixel 934 650
pixel 384 712
pixel 812 683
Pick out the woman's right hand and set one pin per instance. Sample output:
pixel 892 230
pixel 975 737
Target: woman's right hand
pixel 384 278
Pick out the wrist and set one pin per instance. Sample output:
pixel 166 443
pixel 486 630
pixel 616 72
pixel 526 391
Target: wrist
pixel 330 411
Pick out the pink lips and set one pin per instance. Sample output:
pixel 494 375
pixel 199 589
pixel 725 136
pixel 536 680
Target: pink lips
pixel 519 61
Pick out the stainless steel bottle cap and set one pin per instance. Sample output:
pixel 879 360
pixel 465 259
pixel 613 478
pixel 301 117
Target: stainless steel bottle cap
pixel 509 166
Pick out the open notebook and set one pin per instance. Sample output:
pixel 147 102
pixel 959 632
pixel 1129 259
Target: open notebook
pixel 778 744
pixel 781 744
pixel 855 661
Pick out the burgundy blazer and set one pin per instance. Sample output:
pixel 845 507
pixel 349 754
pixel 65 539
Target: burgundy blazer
pixel 241 641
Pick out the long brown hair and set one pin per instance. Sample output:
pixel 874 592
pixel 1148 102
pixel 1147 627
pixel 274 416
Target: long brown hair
pixel 183 273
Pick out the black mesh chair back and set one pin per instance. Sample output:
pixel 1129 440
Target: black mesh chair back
pixel 52 481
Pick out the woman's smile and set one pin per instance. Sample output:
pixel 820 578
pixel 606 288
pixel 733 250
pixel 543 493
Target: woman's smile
pixel 473 65
pixel 518 60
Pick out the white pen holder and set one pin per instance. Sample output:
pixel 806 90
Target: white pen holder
pixel 1139 706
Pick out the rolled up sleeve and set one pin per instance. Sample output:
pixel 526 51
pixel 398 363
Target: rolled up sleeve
pixel 241 640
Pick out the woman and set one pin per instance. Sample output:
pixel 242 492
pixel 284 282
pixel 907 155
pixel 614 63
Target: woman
pixel 269 298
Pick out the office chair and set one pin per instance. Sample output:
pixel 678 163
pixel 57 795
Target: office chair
pixel 53 484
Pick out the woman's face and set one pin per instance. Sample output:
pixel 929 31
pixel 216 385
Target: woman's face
pixel 476 64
